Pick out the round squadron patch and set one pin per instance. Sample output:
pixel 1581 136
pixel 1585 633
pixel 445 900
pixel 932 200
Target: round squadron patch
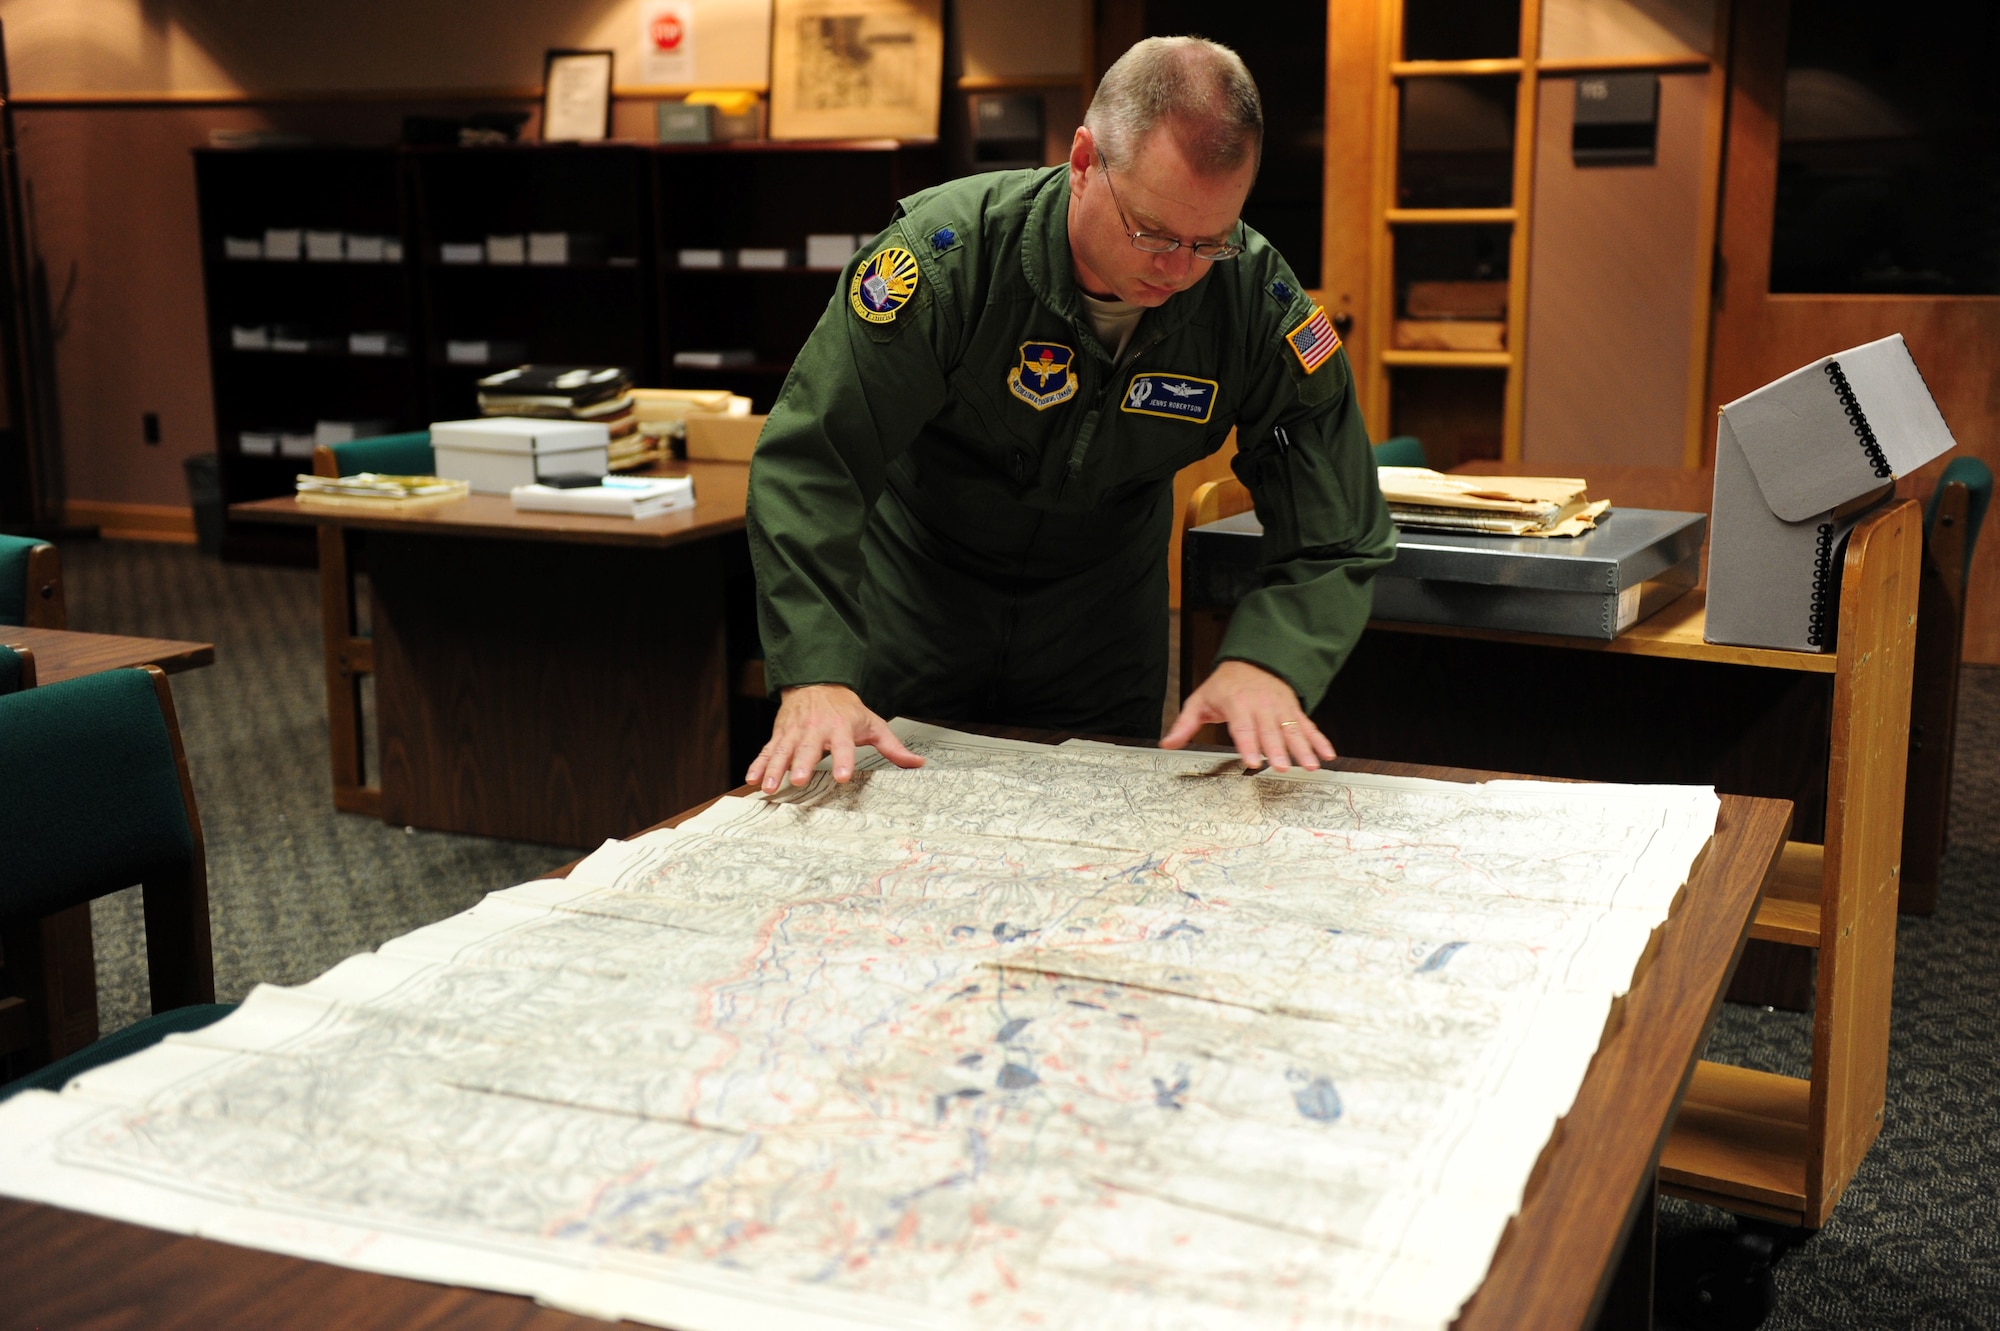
pixel 884 285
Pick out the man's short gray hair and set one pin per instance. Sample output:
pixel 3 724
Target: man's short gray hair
pixel 1198 88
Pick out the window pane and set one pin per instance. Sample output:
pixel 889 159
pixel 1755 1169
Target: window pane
pixel 1890 150
pixel 1456 143
pixel 1461 29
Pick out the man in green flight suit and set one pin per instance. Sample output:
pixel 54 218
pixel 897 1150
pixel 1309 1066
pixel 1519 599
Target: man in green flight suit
pixel 960 506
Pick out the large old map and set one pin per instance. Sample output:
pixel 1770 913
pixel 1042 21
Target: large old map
pixel 1065 1037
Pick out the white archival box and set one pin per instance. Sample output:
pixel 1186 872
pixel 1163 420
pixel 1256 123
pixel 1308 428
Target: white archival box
pixel 1797 465
pixel 493 454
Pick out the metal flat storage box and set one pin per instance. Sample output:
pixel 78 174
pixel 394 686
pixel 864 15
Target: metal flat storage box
pixel 1592 586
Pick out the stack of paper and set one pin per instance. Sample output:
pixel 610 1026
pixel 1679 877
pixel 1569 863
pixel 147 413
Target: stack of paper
pixel 371 490
pixel 618 497
pixel 1504 505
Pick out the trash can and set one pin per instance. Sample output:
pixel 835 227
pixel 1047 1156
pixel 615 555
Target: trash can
pixel 204 478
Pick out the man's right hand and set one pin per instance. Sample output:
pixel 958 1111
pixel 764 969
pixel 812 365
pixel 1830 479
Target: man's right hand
pixel 815 719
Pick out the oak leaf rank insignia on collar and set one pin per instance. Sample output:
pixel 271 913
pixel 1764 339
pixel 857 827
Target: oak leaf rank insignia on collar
pixel 884 284
pixel 1044 377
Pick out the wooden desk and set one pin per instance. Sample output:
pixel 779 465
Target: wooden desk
pixel 1828 731
pixel 539 676
pixel 1592 1187
pixel 62 654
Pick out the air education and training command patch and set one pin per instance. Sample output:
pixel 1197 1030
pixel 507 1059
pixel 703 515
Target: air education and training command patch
pixel 1044 377
pixel 1314 340
pixel 1178 397
pixel 884 285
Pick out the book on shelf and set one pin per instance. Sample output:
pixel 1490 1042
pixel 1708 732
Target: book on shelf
pixel 372 490
pixel 618 496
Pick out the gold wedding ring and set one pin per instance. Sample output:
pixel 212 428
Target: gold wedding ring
pixel 1288 725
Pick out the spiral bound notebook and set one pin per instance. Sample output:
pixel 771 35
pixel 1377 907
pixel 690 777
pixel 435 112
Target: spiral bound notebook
pixel 1797 464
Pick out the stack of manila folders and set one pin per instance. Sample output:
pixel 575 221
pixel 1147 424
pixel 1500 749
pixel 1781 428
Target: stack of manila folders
pixel 371 490
pixel 610 496
pixel 1496 505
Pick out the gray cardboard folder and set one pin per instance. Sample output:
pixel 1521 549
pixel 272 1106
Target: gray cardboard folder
pixel 1797 464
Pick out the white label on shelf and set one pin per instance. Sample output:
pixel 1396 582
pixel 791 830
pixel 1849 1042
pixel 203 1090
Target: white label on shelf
pixel 467 353
pixel 507 249
pixel 548 247
pixel 282 243
pixel 325 247
pixel 471 252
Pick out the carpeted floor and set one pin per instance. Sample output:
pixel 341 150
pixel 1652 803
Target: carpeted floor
pixel 295 887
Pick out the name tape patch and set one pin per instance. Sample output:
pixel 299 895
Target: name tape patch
pixel 884 284
pixel 1178 397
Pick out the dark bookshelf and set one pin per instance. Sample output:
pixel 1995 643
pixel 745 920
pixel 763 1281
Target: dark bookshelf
pixel 620 299
pixel 243 194
pixel 766 196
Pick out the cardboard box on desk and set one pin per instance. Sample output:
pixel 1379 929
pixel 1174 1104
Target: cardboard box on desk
pixel 722 438
pixel 1797 464
pixel 496 453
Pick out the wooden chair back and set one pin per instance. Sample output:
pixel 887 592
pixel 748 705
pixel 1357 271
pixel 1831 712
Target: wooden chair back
pixel 1863 849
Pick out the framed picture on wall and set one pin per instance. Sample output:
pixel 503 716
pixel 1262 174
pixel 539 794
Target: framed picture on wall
pixel 856 69
pixel 576 96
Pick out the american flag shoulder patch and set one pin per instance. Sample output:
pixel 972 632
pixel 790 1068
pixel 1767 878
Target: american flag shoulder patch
pixel 1314 340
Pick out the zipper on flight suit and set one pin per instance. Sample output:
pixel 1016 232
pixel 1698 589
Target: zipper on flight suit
pixel 1088 429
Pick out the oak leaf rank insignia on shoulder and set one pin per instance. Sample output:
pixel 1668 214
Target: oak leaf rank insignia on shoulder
pixel 884 284
pixel 1314 340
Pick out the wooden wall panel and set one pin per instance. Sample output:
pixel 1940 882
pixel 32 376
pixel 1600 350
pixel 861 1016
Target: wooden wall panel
pixel 1614 252
pixel 1760 337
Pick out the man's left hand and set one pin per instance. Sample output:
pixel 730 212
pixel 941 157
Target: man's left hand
pixel 1265 721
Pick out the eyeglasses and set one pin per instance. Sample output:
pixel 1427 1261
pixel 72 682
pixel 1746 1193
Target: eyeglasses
pixel 1211 250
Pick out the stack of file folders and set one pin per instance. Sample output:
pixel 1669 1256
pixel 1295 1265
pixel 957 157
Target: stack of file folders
pixel 1429 500
pixel 600 393
pixel 370 490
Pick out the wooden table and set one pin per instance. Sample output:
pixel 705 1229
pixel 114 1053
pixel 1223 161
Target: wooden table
pixel 61 654
pixel 539 676
pixel 1827 731
pixel 1560 1259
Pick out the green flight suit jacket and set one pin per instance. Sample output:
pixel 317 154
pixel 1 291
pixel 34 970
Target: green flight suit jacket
pixel 962 387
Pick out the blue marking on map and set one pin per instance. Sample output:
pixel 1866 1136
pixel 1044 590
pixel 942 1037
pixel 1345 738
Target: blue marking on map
pixel 1436 960
pixel 963 931
pixel 1008 933
pixel 943 1102
pixel 1317 1100
pixel 972 1060
pixel 1184 928
pixel 1012 1029
pixel 1014 1077
pixel 1078 1002
pixel 1169 1097
pixel 969 989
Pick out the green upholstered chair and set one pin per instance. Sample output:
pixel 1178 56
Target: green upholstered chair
pixel 350 654
pixel 1952 520
pixel 31 590
pixel 98 800
pixel 1405 450
pixel 386 454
